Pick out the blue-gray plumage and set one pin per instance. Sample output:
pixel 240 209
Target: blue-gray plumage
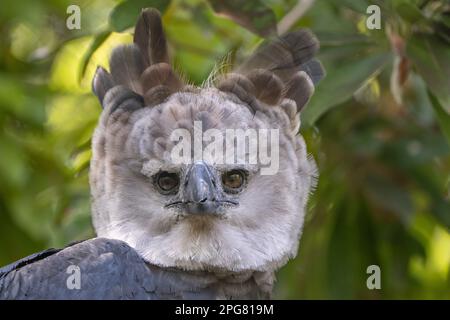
pixel 109 269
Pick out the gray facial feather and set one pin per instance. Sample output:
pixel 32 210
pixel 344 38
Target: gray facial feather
pixel 258 235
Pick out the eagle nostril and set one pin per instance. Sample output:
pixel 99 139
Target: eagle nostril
pixel 203 200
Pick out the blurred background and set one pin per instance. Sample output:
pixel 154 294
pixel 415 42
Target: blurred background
pixel 378 127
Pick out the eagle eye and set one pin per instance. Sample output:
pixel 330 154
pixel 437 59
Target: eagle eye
pixel 167 182
pixel 233 180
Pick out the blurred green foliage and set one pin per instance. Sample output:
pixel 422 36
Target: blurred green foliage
pixel 378 126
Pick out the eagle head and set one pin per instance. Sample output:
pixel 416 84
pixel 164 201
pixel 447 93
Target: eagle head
pixel 215 177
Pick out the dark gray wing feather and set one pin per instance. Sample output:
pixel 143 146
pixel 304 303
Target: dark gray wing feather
pixel 109 269
pixel 27 260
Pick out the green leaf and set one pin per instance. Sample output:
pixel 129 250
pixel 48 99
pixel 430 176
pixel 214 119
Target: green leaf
pixel 343 262
pixel 442 117
pixel 430 57
pixel 433 183
pixel 95 44
pixel 390 196
pixel 416 150
pixel 334 39
pixel 358 6
pixel 409 12
pixel 255 15
pixel 65 72
pixel 340 84
pixel 440 209
pixel 13 167
pixel 125 14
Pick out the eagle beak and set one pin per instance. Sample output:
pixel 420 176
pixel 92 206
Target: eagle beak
pixel 200 194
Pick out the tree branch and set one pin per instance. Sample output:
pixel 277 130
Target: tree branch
pixel 296 13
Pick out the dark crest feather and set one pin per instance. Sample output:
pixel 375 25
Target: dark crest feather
pixel 283 67
pixel 126 67
pixel 150 38
pixel 101 83
pixel 142 67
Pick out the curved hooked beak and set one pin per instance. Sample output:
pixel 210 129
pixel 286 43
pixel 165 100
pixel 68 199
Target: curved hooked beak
pixel 200 194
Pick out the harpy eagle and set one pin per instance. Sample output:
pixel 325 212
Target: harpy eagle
pixel 176 224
